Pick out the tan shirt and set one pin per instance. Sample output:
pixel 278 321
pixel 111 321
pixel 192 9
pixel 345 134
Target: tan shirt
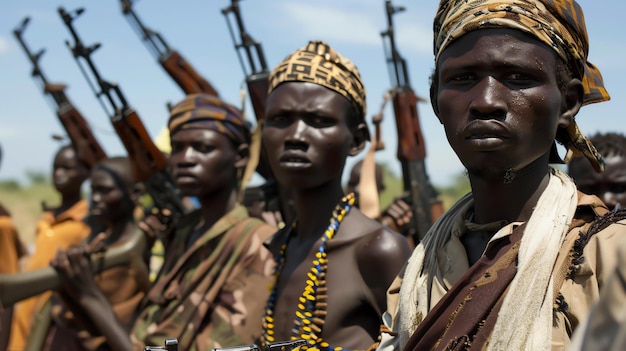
pixel 580 293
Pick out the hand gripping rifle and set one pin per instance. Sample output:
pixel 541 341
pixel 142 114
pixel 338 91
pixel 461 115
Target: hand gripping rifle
pixel 189 80
pixel 411 147
pixel 87 148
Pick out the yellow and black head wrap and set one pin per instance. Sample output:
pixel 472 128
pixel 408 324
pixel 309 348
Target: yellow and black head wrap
pixel 320 64
pixel 206 111
pixel 560 24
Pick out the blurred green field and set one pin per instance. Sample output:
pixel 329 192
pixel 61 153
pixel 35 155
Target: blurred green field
pixel 447 194
pixel 24 201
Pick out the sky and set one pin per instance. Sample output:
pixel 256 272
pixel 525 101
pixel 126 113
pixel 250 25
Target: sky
pixel 198 30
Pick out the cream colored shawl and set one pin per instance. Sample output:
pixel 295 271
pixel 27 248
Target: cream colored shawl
pixel 531 287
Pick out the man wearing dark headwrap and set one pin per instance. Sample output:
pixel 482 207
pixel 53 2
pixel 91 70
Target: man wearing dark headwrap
pixel 518 262
pixel 333 262
pixel 211 289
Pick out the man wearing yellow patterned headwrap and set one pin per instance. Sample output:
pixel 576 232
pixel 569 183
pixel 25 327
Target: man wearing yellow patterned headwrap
pixel 333 262
pixel 518 262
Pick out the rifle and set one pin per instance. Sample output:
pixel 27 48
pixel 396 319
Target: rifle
pixel 272 346
pixel 187 78
pixel 88 150
pixel 20 286
pixel 411 147
pixel 171 344
pixel 256 75
pixel 148 162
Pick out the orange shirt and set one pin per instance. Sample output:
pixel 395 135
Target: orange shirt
pixel 52 234
pixel 9 245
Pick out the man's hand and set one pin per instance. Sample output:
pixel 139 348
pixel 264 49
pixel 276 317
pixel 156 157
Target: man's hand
pixel 157 224
pixel 398 215
pixel 76 268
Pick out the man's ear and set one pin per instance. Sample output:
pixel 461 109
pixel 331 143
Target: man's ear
pixel 433 99
pixel 359 137
pixel 572 102
pixel 136 191
pixel 243 155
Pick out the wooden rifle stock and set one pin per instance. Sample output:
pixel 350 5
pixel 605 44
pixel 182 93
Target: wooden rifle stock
pixel 88 150
pixel 146 158
pixel 20 286
pixel 410 140
pixel 187 78
pixel 148 162
pixel 257 88
pixel 411 146
pixel 412 153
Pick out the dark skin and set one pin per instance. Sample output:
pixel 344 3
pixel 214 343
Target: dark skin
pixel 205 164
pixel 355 177
pixel 308 134
pixel 609 186
pixel 508 107
pixel 397 215
pixel 68 175
pixel 112 207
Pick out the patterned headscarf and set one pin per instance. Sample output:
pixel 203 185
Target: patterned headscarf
pixel 206 111
pixel 320 64
pixel 560 24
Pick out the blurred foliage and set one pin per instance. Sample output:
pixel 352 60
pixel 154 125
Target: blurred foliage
pixel 24 202
pixel 9 185
pixel 37 177
pixel 448 194
pixel 451 193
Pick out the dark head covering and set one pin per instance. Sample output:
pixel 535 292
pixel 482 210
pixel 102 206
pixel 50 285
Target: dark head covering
pixel 320 64
pixel 559 24
pixel 206 111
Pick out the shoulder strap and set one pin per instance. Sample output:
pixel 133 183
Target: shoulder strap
pixel 603 218
pixel 561 266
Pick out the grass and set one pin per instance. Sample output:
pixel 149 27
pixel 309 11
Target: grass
pixel 24 203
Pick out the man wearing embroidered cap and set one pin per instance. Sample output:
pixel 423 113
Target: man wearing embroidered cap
pixel 518 262
pixel 210 292
pixel 333 263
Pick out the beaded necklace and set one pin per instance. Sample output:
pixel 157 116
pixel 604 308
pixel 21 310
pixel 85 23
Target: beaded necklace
pixel 311 312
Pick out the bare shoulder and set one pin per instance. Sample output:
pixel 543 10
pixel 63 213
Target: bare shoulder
pixel 376 244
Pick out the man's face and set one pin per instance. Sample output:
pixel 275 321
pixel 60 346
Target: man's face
pixel 499 101
pixel 202 162
pixel 609 186
pixel 306 134
pixel 68 174
pixel 108 201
